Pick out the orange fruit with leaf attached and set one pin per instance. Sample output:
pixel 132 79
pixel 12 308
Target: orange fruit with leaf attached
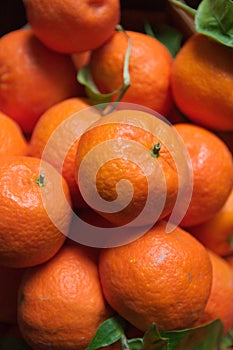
pixel 162 277
pixel 66 290
pixel 219 304
pixel 59 128
pixel 32 78
pixel 202 82
pixel 217 233
pixel 12 139
pixel 127 161
pixel 212 168
pixel 35 214
pixel 150 65
pixel 71 26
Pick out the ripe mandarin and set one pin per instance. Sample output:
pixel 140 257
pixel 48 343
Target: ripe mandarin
pixel 124 145
pixel 34 210
pixel 217 233
pixel 12 139
pixel 220 301
pixel 61 303
pixel 161 277
pixel 32 77
pixel 150 65
pixel 212 168
pixel 57 131
pixel 202 82
pixel 70 26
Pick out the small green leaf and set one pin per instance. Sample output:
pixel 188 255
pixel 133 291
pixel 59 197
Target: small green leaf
pixel 226 341
pixel 214 18
pixel 96 97
pixel 167 35
pixel 204 337
pixel 152 340
pixel 109 332
pixel 84 77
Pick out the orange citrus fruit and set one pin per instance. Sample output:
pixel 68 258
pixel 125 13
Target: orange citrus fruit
pixel 12 139
pixel 58 129
pixel 35 215
pixel 61 301
pixel 219 304
pixel 212 168
pixel 150 65
pixel 32 77
pixel 71 26
pixel 161 277
pixel 81 59
pixel 217 233
pixel 123 146
pixel 202 82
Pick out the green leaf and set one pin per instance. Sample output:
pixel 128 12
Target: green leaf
pixel 135 343
pixel 152 340
pixel 214 18
pixel 10 342
pixel 84 77
pixel 109 332
pixel 167 35
pixel 204 337
pixel 96 97
pixel 226 340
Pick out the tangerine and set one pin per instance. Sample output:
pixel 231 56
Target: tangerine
pixel 71 26
pixel 32 78
pixel 34 210
pixel 60 302
pixel 161 277
pixel 202 82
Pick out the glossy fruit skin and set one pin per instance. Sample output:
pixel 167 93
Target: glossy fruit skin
pixel 28 236
pixel 212 168
pixel 32 77
pixel 58 129
pixel 161 277
pixel 119 128
pixel 61 302
pixel 219 304
pixel 150 65
pixel 12 139
pixel 216 234
pixel 202 82
pixel 72 26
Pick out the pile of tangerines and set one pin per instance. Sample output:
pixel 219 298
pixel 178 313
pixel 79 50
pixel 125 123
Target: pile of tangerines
pixel 120 211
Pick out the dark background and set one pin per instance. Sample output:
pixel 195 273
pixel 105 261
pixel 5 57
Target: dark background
pixel 12 13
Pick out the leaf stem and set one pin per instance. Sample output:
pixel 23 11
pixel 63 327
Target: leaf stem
pixel 189 10
pixel 124 342
pixel 155 151
pixel 40 180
